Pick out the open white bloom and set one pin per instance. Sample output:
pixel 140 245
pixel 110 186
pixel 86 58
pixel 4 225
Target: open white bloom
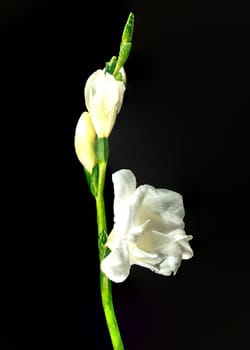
pixel 85 137
pixel 148 229
pixel 103 98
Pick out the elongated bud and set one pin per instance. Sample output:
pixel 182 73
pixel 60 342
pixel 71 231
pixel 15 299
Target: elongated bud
pixel 128 31
pixel 104 98
pixel 85 139
pixel 126 45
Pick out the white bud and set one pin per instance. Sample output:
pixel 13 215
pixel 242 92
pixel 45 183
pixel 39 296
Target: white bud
pixel 103 98
pixel 85 138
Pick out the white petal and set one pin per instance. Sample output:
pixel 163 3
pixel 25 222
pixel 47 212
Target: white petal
pixel 113 93
pixel 163 265
pixel 170 223
pixel 124 186
pixel 124 183
pixel 135 231
pixel 170 265
pixel 113 240
pixel 186 250
pixel 141 254
pixel 116 265
pixel 171 202
pixel 178 235
pixel 121 88
pixel 150 261
pixel 94 88
pixel 153 241
pixel 145 204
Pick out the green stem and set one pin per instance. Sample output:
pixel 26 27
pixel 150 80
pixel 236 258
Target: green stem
pixel 105 283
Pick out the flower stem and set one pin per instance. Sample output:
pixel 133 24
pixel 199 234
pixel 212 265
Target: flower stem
pixel 105 283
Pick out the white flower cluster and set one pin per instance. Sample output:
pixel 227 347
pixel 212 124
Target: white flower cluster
pixel 148 222
pixel 103 98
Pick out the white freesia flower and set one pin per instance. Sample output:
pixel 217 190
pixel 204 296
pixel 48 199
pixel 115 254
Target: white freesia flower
pixel 103 98
pixel 85 137
pixel 148 229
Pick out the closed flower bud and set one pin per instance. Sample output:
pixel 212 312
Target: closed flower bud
pixel 103 98
pixel 85 138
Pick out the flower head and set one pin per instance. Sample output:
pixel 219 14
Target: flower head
pixel 85 137
pixel 103 98
pixel 148 229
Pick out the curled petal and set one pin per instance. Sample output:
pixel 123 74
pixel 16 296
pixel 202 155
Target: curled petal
pixel 178 235
pixel 116 265
pixel 170 265
pixel 142 254
pixel 186 250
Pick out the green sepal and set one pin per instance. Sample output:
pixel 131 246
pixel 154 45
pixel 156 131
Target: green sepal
pixel 103 236
pixel 92 179
pixel 102 239
pixel 88 177
pixel 102 149
pixel 110 66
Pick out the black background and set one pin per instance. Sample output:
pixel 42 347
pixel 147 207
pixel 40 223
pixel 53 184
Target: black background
pixel 184 125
